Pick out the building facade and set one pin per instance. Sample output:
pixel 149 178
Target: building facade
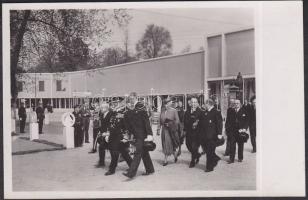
pixel 208 73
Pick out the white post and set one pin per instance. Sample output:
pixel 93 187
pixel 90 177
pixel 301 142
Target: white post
pixel 68 136
pixel 33 126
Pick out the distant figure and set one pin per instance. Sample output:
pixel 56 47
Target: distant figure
pixel 252 125
pixel 86 114
pixel 169 123
pixel 22 117
pixel 78 135
pixel 40 117
pixel 49 108
pixel 96 125
pixel 181 113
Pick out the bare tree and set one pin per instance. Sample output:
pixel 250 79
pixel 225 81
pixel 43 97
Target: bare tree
pixel 156 42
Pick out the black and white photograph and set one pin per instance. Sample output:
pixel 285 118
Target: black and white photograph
pixel 107 100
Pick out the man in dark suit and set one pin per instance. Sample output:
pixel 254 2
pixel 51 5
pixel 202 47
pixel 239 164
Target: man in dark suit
pixel 116 142
pixel 86 114
pixel 191 128
pixel 40 116
pixel 210 130
pixel 105 123
pixel 138 125
pixel 229 126
pixel 96 125
pixel 252 125
pixel 22 117
pixel 240 123
pixel 77 127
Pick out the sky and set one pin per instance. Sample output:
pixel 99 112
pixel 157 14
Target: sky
pixel 187 26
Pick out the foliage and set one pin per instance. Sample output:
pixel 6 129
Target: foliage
pixel 156 42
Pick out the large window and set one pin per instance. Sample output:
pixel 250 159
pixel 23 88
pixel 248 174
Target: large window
pixel 41 86
pixel 59 85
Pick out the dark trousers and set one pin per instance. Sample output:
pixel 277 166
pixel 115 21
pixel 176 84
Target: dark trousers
pixel 103 146
pixel 228 145
pixel 240 149
pixel 78 139
pixel 138 155
pixel 95 132
pixel 253 138
pixel 22 124
pixel 86 129
pixel 192 145
pixel 40 125
pixel 211 157
pixel 115 157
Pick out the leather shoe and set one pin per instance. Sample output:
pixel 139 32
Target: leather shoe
pixel 127 175
pixel 147 173
pixel 93 151
pixel 198 157
pixel 109 173
pixel 209 170
pixel 165 163
pixel 192 164
pixel 230 161
pixel 240 160
pixel 100 165
pixel 253 151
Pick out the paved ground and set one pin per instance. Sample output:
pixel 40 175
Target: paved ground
pixel 52 169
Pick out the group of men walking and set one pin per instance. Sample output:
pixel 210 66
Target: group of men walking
pixel 203 127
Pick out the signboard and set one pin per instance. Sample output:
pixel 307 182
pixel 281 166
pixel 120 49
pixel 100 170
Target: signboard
pixel 68 119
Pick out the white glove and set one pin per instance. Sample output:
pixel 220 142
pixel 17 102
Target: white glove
pixel 107 138
pixel 149 138
pixel 219 136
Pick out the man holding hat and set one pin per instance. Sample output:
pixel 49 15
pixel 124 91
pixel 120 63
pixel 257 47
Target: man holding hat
pixel 138 125
pixel 210 130
pixel 22 117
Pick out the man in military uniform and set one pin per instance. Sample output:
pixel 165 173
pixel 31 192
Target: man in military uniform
pixel 117 143
pixel 210 129
pixel 22 117
pixel 240 123
pixel 40 116
pixel 191 128
pixel 138 125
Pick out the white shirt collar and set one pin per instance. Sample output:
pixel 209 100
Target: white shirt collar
pixel 211 108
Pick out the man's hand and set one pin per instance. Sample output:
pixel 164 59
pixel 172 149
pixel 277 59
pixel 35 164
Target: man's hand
pixel 107 138
pixel 220 136
pixel 149 138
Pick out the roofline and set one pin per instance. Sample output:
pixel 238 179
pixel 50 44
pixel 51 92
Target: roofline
pixel 246 28
pixel 119 65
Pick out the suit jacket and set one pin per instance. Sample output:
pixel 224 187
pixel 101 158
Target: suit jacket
pixel 22 113
pixel 116 129
pixel 190 118
pixel 230 121
pixel 40 113
pixel 210 124
pixel 241 119
pixel 137 122
pixel 78 120
pixel 105 121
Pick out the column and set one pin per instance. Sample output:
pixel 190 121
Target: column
pixel 206 68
